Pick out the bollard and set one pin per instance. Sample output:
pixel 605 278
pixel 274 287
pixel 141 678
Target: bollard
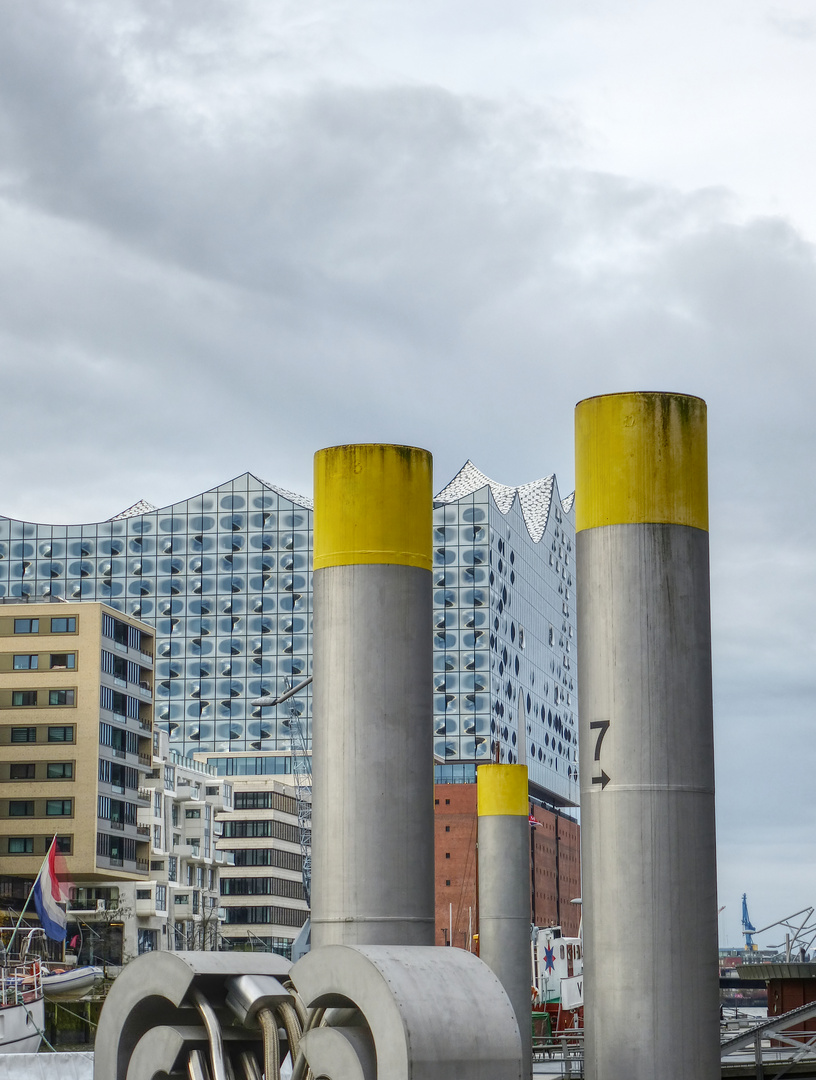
pixel 372 815
pixel 646 739
pixel 504 889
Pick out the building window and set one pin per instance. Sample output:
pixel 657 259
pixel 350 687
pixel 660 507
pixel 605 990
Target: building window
pixel 26 662
pixel 63 626
pixel 59 770
pixel 447 854
pixel 20 845
pixel 161 897
pixel 61 734
pixel 64 844
pixel 448 882
pixel 172 868
pixel 60 697
pixel 59 807
pixel 63 660
pixel 26 626
pixel 25 770
pixel 181 898
pixel 157 836
pixel 23 734
pixel 143 894
pixel 194 814
pixel 24 697
pixel 447 828
pixel 147 940
pixel 21 808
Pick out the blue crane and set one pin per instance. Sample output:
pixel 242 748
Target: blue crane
pixel 748 927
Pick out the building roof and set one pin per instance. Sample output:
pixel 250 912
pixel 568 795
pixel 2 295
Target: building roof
pixel 534 498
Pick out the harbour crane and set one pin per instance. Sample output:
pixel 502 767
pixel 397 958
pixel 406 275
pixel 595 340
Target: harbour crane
pixel 748 928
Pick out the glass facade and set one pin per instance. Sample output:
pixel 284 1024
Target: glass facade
pixel 504 630
pixel 225 578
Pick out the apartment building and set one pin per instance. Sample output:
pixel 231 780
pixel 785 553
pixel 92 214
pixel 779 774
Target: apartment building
pixel 262 892
pixel 76 724
pixel 176 906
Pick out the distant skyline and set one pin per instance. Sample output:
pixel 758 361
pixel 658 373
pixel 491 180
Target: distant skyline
pixel 231 234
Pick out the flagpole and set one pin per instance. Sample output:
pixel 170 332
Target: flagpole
pixel 28 899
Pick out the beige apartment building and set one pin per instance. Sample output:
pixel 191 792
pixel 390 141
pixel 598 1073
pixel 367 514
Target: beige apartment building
pixel 262 896
pixel 76 724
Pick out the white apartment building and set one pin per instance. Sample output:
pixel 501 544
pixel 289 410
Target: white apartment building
pixel 177 906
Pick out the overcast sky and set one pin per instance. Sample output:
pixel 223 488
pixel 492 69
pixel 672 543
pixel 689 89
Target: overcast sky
pixel 235 231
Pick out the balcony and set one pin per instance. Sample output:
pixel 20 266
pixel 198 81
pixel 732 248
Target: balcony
pixel 183 905
pixel 146 760
pixel 143 795
pixel 143 830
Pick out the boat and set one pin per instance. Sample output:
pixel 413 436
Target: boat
pixel 22 1007
pixel 557 982
pixel 70 980
pixel 57 978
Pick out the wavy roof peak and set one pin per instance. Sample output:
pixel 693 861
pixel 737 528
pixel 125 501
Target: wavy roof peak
pixel 534 498
pixel 301 500
pixel 140 507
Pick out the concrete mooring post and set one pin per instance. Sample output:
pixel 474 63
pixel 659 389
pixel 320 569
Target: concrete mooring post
pixel 372 817
pixel 504 889
pixel 646 739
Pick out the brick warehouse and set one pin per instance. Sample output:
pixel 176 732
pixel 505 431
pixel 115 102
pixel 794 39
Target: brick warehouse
pixel 555 866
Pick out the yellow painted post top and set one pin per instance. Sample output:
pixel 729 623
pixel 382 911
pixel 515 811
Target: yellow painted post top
pixel 641 458
pixel 502 790
pixel 373 504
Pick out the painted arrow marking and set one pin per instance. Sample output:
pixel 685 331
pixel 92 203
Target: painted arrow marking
pixel 603 779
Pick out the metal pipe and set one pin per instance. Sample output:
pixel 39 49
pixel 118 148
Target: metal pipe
pixel 249 1067
pixel 271 1043
pixel 197 1066
pixel 504 889
pixel 646 738
pixel 372 815
pixel 214 1034
pixel 291 1025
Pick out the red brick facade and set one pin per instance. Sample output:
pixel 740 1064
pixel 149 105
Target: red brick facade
pixel 555 866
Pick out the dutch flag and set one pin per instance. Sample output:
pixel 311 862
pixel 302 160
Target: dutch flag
pixel 48 897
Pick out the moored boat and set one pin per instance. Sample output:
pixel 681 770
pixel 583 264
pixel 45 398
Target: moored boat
pixel 22 1008
pixel 557 981
pixel 70 980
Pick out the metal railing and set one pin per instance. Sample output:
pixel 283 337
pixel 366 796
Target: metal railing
pixel 20 983
pixel 564 1049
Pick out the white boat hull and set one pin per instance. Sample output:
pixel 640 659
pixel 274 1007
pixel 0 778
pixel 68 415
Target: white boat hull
pixel 71 981
pixel 20 1027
